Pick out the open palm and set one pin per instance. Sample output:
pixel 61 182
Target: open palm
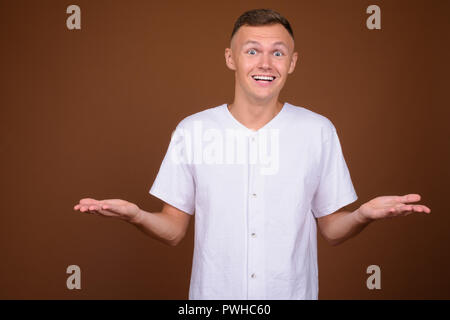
pixel 391 206
pixel 109 208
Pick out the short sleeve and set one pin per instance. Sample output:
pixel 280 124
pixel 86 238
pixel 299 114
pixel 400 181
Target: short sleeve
pixel 335 188
pixel 174 183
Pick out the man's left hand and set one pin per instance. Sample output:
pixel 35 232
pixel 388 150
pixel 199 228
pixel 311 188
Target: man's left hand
pixel 389 207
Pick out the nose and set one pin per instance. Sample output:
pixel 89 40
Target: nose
pixel 265 62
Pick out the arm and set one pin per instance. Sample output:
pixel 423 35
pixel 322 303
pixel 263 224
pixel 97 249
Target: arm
pixel 340 226
pixel 168 226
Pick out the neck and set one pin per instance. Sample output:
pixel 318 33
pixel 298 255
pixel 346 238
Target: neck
pixel 255 114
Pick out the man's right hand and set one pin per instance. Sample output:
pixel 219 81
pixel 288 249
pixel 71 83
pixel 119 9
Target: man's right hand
pixel 110 208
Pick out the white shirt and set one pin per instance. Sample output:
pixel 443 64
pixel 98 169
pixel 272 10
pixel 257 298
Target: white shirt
pixel 255 227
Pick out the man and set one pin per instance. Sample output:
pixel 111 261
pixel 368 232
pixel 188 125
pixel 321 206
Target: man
pixel 256 213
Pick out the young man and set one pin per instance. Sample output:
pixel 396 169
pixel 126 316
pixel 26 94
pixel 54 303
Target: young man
pixel 260 176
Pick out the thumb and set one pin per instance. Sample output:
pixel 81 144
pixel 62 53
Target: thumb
pixel 114 208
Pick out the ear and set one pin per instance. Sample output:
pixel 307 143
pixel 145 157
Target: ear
pixel 293 62
pixel 229 59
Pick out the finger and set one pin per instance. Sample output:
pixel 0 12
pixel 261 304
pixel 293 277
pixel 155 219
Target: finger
pixel 89 201
pixel 110 203
pixel 408 209
pixel 100 209
pixel 109 214
pixel 85 208
pixel 412 197
pixel 78 206
pixel 412 208
pixel 421 208
pixel 112 208
pixel 399 209
pixel 93 208
pixel 113 202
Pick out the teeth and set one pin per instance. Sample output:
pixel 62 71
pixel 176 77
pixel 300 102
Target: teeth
pixel 267 78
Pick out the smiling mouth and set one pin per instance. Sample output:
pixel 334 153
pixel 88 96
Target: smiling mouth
pixel 262 78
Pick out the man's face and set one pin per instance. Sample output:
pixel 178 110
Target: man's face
pixel 260 52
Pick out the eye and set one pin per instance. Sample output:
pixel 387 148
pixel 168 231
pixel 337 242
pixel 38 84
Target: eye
pixel 278 53
pixel 251 52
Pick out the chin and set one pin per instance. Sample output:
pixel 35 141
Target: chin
pixel 266 97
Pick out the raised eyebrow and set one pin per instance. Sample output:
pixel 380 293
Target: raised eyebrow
pixel 278 43
pixel 251 42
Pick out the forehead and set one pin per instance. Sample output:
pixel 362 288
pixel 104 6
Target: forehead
pixel 266 35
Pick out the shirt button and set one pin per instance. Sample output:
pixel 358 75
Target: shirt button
pixel 253 235
pixel 253 139
pixel 254 195
pixel 253 275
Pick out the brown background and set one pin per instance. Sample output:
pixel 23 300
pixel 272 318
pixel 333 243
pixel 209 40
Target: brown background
pixel 89 113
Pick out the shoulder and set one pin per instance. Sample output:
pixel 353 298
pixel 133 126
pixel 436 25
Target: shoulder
pixel 306 118
pixel 205 116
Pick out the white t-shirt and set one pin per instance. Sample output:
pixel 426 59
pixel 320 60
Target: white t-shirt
pixel 255 195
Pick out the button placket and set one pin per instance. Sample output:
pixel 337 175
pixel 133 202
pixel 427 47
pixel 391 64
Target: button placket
pixel 255 254
pixel 251 207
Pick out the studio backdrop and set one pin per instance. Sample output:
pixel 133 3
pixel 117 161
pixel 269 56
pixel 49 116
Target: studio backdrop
pixel 92 90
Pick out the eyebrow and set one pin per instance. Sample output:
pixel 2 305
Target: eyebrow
pixel 256 42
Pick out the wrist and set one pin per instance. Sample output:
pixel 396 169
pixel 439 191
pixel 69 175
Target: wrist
pixel 360 218
pixel 137 219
